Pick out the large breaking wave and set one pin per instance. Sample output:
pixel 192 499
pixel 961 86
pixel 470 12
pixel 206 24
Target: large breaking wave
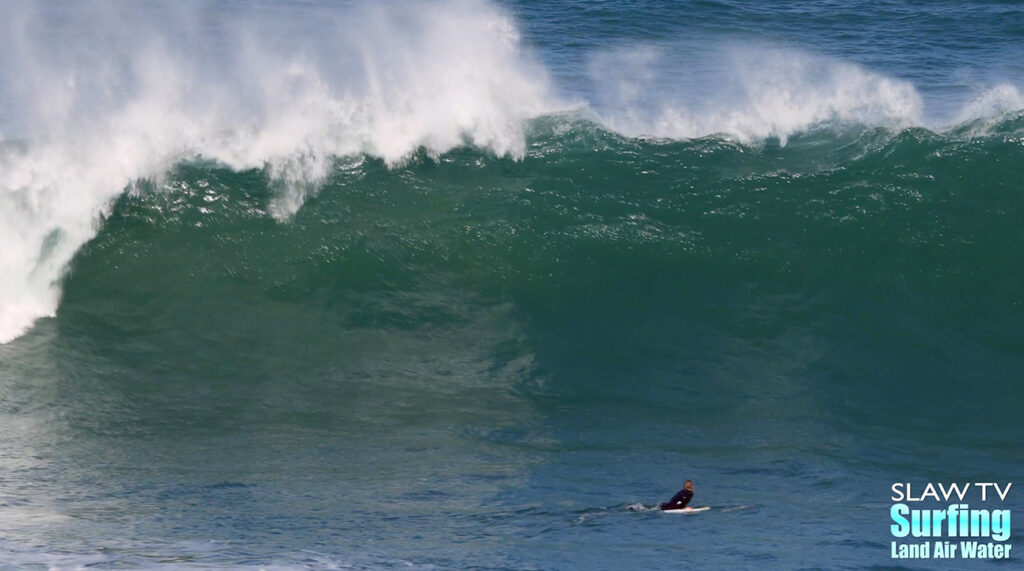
pixel 108 95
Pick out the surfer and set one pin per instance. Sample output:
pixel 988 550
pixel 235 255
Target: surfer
pixel 681 498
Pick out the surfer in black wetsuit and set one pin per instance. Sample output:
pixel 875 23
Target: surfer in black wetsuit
pixel 681 498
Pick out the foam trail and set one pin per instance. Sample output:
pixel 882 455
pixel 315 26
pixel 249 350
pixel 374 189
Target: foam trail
pixel 118 93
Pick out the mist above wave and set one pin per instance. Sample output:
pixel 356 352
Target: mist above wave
pixel 745 90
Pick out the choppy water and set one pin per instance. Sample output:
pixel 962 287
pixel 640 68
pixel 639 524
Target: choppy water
pixel 464 284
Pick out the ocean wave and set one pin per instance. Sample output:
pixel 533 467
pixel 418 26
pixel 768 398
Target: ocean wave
pixel 287 93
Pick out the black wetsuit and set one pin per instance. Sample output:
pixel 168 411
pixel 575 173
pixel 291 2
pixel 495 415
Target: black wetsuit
pixel 678 501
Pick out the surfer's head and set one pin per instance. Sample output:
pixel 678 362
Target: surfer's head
pixel 688 485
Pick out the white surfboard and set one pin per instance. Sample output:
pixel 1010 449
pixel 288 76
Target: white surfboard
pixel 688 510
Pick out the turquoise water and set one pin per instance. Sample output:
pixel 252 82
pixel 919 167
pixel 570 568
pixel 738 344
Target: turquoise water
pixel 474 285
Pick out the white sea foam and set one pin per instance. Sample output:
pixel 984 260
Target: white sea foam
pixel 100 94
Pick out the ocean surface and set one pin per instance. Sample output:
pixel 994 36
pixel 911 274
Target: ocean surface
pixel 292 284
